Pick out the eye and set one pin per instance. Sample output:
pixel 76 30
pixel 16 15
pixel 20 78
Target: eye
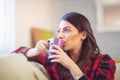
pixel 66 30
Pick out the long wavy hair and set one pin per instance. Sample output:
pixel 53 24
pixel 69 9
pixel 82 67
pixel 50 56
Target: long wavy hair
pixel 89 45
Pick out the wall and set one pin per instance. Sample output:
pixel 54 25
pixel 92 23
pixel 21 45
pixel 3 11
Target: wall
pixel 31 13
pixel 47 13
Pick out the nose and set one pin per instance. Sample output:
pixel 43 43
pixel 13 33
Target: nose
pixel 61 35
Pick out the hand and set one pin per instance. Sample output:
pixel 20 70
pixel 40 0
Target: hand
pixel 42 46
pixel 60 57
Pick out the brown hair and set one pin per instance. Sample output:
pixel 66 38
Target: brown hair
pixel 89 45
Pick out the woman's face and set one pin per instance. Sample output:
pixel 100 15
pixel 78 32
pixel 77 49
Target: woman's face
pixel 70 35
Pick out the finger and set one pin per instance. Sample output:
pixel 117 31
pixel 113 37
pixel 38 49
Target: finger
pixel 48 40
pixel 41 48
pixel 56 60
pixel 42 44
pixel 54 56
pixel 55 51
pixel 57 47
pixel 46 43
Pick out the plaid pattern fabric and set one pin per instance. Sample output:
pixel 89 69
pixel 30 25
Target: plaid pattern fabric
pixel 99 67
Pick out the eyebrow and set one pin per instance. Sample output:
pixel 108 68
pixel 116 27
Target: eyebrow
pixel 65 27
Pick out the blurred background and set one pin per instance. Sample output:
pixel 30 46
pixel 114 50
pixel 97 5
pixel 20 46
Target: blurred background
pixel 18 17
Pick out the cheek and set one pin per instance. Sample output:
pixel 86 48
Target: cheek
pixel 71 40
pixel 72 37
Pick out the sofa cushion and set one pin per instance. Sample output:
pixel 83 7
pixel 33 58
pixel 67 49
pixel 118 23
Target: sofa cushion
pixel 117 73
pixel 39 71
pixel 16 67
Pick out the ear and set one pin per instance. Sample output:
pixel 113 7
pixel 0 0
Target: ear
pixel 84 35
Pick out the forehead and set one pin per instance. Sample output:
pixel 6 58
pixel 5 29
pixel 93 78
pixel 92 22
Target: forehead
pixel 64 24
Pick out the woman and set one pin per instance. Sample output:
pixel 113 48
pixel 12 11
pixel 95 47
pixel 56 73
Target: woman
pixel 80 58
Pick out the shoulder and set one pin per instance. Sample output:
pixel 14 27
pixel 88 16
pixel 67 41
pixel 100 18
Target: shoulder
pixel 101 57
pixel 104 61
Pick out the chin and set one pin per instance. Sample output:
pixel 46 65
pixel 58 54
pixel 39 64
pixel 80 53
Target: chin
pixel 65 49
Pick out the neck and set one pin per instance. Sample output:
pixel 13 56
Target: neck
pixel 74 54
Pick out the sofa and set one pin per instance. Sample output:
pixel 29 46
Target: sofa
pixel 117 73
pixel 16 67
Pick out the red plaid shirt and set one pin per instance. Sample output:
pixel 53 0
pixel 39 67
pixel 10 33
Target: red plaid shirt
pixel 99 67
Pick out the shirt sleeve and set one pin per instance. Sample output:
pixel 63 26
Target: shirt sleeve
pixel 42 58
pixel 83 78
pixel 22 50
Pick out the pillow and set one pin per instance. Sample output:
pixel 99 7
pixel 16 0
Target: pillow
pixel 39 71
pixel 16 67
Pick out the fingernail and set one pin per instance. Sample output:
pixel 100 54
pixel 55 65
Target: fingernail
pixel 52 61
pixel 49 57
